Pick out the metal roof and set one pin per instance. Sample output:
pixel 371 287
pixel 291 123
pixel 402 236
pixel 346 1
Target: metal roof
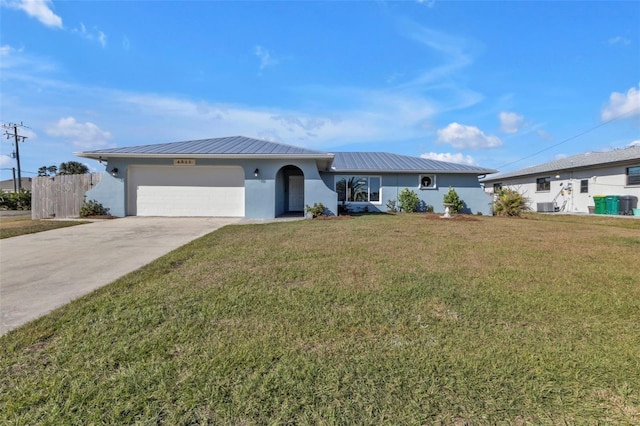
pixel 586 160
pixel 243 147
pixel 238 146
pixel 386 162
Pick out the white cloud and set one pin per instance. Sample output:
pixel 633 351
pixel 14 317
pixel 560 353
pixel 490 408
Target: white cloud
pixel 458 158
pixel 428 3
pixel 460 136
pixel 92 34
pixel 38 9
pixel 510 122
pixel 544 134
pixel 619 40
pixel 6 161
pixel 621 104
pixel 41 10
pixel 367 115
pixel 18 65
pixel 445 74
pixel 454 50
pixel 5 50
pixel 102 38
pixel 379 116
pixel 635 143
pixel 278 125
pixel 28 133
pixel 265 57
pixel 82 135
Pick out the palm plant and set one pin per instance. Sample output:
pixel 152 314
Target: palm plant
pixel 510 202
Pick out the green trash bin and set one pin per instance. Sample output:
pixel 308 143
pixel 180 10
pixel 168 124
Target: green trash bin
pixel 600 204
pixel 613 204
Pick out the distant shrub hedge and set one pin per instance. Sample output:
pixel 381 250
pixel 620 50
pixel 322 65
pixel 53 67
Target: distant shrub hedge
pixel 20 200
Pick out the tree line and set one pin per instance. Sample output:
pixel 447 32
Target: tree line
pixel 68 168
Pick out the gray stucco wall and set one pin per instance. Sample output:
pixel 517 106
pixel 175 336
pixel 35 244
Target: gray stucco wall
pixel 263 199
pixel 467 187
pixel 110 192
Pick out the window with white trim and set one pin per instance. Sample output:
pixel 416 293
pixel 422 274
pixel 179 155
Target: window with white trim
pixel 354 189
pixel 633 175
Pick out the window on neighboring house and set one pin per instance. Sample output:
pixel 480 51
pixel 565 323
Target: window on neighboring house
pixel 543 184
pixel 584 186
pixel 358 189
pixel 497 187
pixel 633 175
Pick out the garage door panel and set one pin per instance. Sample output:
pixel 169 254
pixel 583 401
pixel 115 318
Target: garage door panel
pixel 192 191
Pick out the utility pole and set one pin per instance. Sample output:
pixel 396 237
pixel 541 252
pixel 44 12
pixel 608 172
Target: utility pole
pixel 17 139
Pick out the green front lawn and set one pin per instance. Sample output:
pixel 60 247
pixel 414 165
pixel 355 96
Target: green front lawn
pixel 375 320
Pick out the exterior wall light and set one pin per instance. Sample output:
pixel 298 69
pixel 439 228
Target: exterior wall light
pixel 256 172
pixel 114 172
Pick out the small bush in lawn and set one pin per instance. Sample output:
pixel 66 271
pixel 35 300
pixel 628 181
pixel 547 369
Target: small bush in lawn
pixel 452 198
pixel 93 208
pixel 510 202
pixel 316 210
pixel 408 200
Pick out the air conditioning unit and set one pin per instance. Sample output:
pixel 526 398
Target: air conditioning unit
pixel 545 207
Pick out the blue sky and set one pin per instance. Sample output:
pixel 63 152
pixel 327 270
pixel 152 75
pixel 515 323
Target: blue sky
pixel 503 85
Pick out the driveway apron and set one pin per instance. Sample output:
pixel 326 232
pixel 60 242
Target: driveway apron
pixel 40 272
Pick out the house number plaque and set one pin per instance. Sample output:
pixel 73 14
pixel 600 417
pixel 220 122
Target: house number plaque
pixel 184 162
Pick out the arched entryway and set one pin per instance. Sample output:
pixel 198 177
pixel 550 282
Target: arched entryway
pixel 290 191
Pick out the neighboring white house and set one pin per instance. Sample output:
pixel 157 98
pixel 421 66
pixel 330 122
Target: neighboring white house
pixel 569 184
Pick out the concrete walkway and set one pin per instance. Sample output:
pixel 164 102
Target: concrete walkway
pixel 40 272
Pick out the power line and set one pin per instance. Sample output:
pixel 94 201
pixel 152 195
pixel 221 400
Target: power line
pixel 24 171
pixel 574 136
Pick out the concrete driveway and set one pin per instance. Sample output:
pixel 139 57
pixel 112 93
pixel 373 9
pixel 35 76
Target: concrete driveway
pixel 40 272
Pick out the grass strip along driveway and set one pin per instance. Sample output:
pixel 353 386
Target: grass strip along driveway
pixel 13 226
pixel 375 320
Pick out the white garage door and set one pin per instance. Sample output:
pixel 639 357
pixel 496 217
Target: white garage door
pixel 186 191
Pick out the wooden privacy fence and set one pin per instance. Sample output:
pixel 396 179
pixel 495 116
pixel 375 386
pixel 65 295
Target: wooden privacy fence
pixel 60 196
